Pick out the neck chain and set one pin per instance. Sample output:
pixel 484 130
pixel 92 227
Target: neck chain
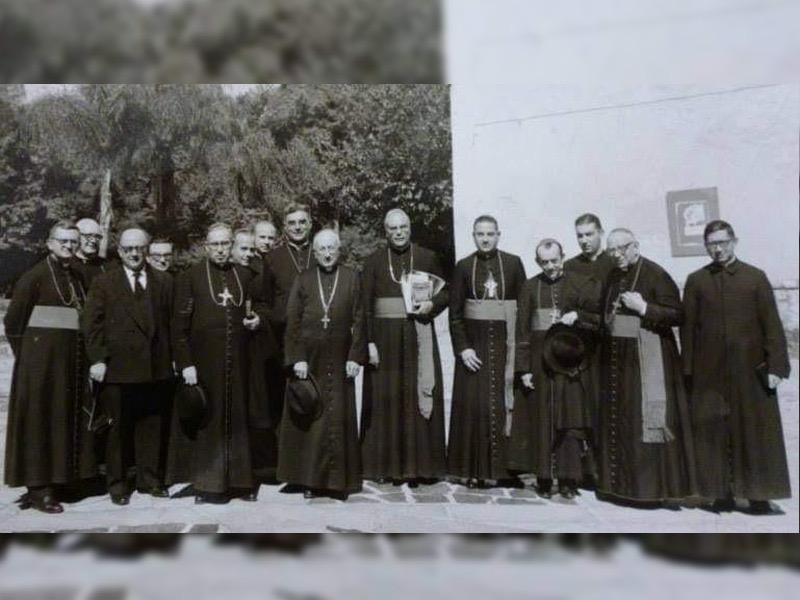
pixel 326 305
pixel 289 246
pixel 74 299
pixel 488 287
pixel 391 268
pixel 225 295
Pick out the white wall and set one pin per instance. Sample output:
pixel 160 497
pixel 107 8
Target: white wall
pixel 537 156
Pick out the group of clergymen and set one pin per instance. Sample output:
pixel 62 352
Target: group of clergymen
pixel 241 369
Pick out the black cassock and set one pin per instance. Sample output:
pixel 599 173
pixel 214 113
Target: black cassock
pixel 629 467
pixel 323 453
pixel 477 443
pixel 47 441
pixel 215 457
pixel 89 268
pixel 397 441
pixel 732 338
pixel 552 422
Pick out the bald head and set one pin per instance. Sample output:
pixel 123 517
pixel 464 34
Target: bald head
pixel 623 247
pixel 132 247
pixel 326 248
pixel 398 228
pixel 90 236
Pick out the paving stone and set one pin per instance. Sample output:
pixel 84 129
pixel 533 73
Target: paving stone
pixel 362 499
pixel 518 501
pixel 524 493
pixel 431 498
pixel 471 498
pixel 441 487
pixel 394 497
pixel 204 528
pixel 322 500
pixel 153 528
pixel 497 492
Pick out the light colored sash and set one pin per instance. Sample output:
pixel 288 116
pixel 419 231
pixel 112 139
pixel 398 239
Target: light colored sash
pixel 395 308
pixel 651 367
pixel 542 319
pixel 54 317
pixel 499 310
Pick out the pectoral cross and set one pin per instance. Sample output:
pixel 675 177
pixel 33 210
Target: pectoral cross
pixel 225 295
pixel 491 286
pixel 325 320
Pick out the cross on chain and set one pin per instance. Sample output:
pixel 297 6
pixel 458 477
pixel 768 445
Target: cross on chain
pixel 225 295
pixel 325 320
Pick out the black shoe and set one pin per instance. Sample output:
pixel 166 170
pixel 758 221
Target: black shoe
pixel 251 496
pixel 545 488
pixel 472 483
pixel 210 498
pixel 157 491
pixel 292 488
pixel 46 504
pixel 511 482
pixel 760 507
pixel 383 480
pixel 120 499
pixel 308 494
pixel 567 492
pixel 413 483
pixel 721 505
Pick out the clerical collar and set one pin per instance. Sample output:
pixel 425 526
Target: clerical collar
pixel 591 257
pixel 731 266
pixel 487 255
pixel 330 271
pixel 61 263
pixel 402 250
pixel 223 267
pixel 297 247
pixel 555 279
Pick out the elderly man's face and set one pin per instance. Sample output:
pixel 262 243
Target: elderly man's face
pixel 623 248
pixel 551 261
pixel 243 249
pixel 326 251
pixel 266 236
pixel 218 246
pixel 486 236
pixel 132 248
pixel 590 238
pixel 721 246
pixel 398 230
pixel 297 226
pixel 160 256
pixel 90 237
pixel 63 243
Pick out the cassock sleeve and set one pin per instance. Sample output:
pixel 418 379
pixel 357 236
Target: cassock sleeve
pixel 367 299
pixel 664 307
pixel 269 293
pixel 458 296
pixel 93 323
pixel 358 342
pixel 522 352
pixel 181 325
pixel 774 335
pixel 519 277
pixel 691 300
pixel 295 349
pixel 23 299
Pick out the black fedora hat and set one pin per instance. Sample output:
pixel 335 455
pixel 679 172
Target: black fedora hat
pixel 302 396
pixel 566 350
pixel 191 403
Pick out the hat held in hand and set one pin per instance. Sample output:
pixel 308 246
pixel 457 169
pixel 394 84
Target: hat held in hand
pixel 566 350
pixel 303 398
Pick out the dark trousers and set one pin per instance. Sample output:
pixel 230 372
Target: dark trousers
pixel 138 435
pixel 569 450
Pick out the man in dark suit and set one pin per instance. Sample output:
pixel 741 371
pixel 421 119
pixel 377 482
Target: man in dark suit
pixel 126 324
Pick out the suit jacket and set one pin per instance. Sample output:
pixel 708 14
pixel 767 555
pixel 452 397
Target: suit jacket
pixel 133 341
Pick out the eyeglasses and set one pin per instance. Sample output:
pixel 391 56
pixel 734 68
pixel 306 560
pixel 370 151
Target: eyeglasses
pixel 719 244
pixel 92 236
pixel 65 242
pixel 619 250
pixel 130 249
pixel 160 255
pixel 219 244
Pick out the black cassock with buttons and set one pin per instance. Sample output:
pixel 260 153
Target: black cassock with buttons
pixel 215 457
pixel 477 443
pixel 323 453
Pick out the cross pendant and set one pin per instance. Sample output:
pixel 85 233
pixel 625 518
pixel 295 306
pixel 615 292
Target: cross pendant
pixel 325 320
pixel 491 287
pixel 225 295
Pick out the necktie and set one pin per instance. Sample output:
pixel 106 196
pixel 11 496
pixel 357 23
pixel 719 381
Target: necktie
pixel 138 290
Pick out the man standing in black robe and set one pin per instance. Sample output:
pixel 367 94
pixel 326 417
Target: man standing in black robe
pixel 48 446
pixel 402 423
pixel 325 340
pixel 126 324
pixel 734 351
pixel 645 447
pixel 210 327
pixel 552 422
pixel 483 312
pixel 87 261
